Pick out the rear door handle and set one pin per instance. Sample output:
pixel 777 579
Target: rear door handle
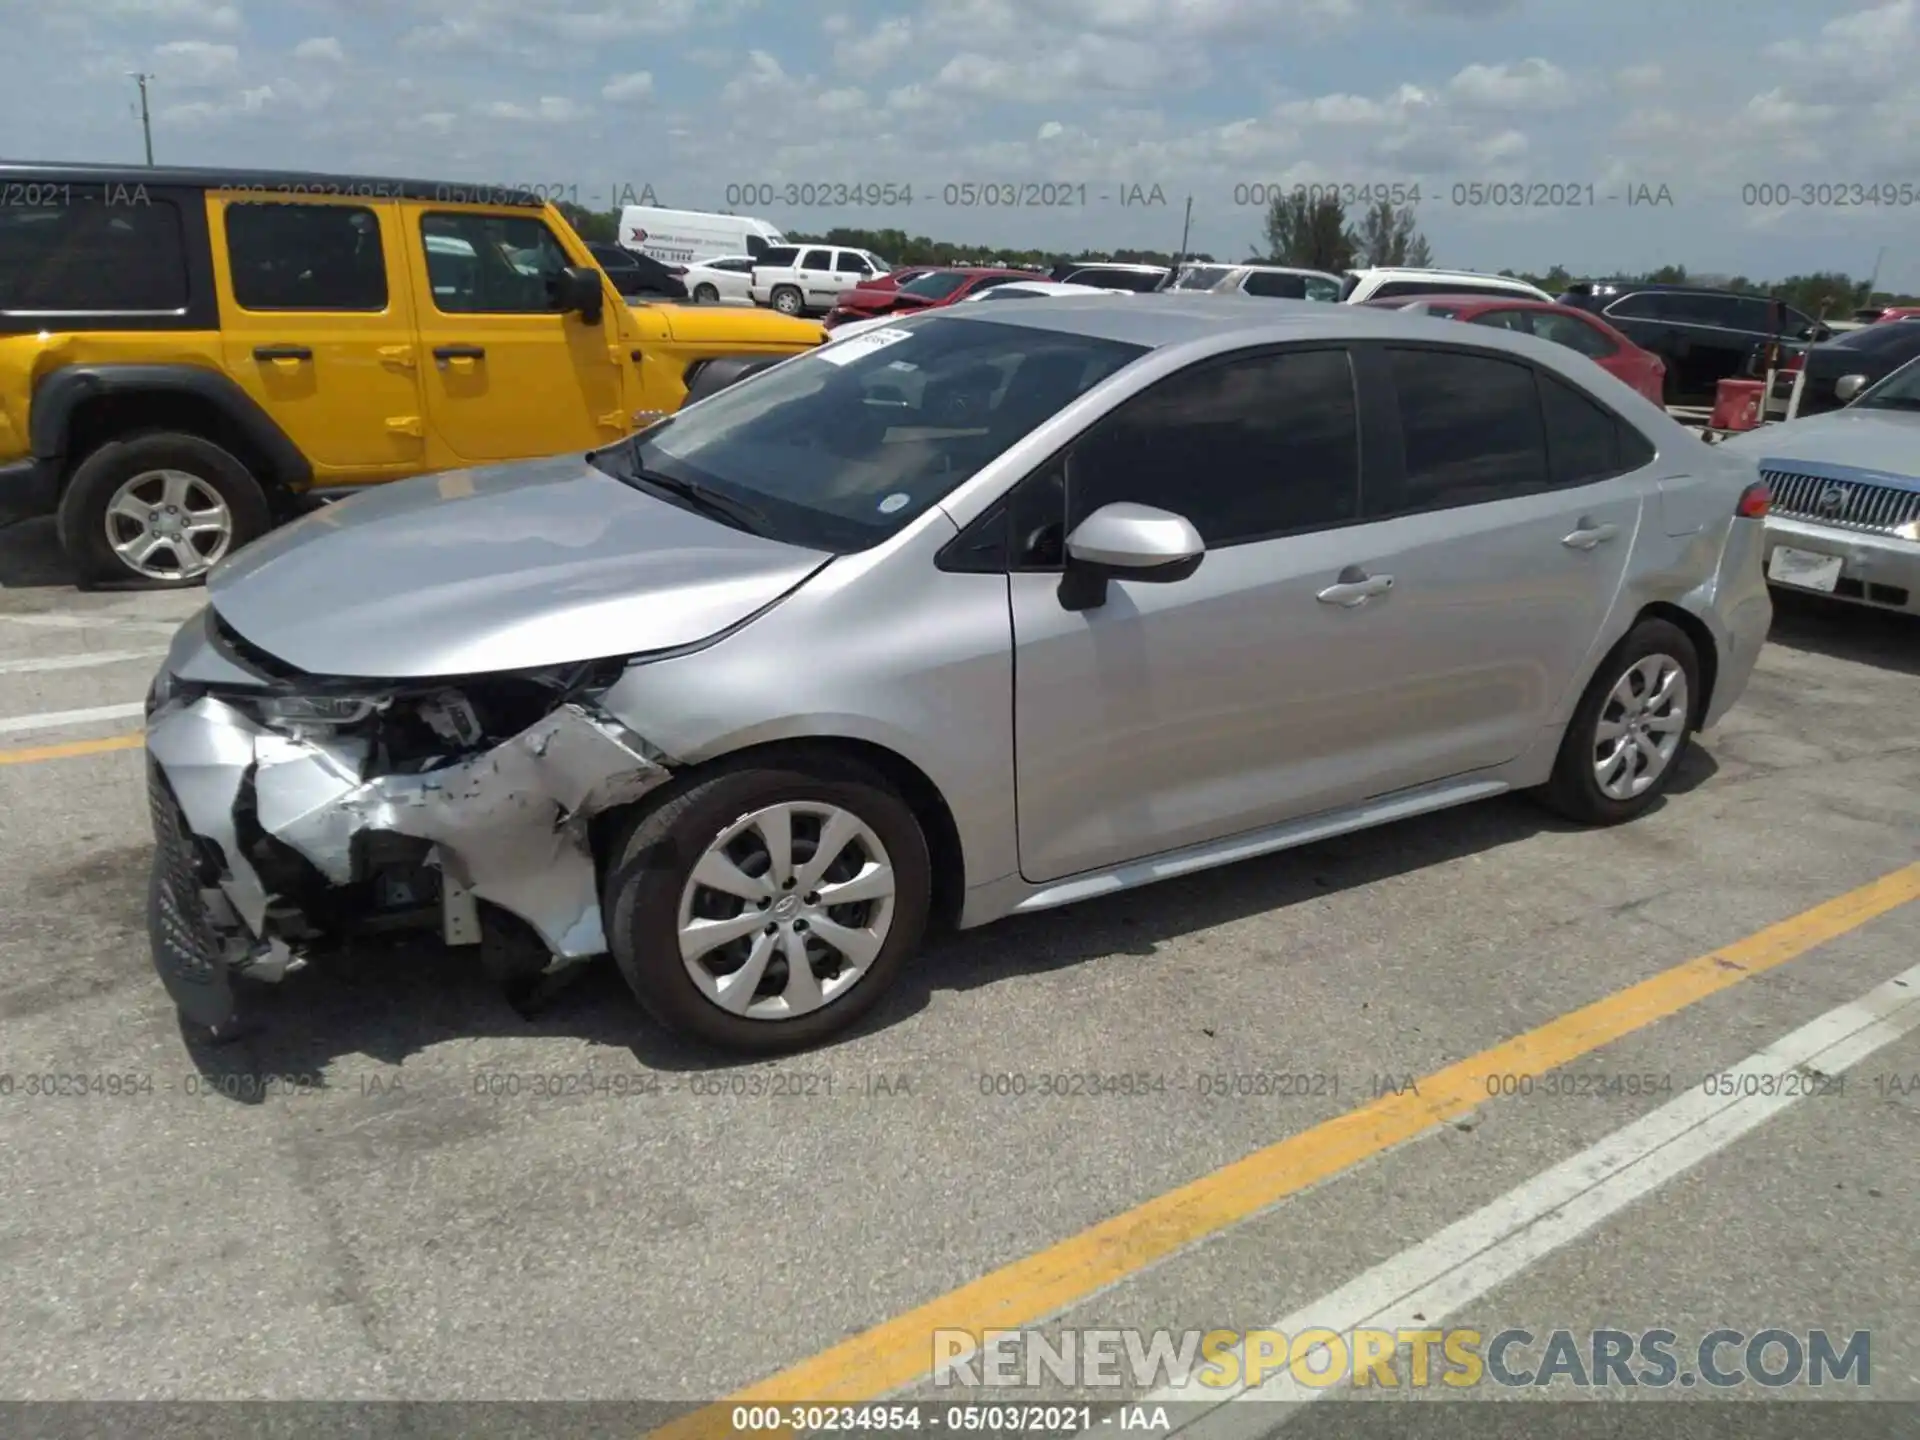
pixel 1589 535
pixel 459 352
pixel 1354 587
pixel 282 352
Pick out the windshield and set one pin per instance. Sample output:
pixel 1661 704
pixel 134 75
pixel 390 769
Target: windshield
pixel 1200 277
pixel 1899 391
pixel 841 447
pixel 934 285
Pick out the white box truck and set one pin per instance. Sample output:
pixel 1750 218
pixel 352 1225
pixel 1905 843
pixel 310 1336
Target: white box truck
pixel 686 237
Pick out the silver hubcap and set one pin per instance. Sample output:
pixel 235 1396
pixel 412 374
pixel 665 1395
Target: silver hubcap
pixel 786 302
pixel 786 910
pixel 169 525
pixel 1640 727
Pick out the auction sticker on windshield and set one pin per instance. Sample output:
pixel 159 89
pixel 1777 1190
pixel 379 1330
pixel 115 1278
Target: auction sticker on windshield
pixel 845 352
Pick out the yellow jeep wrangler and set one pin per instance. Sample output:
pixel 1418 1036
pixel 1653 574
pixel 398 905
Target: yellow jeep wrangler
pixel 188 356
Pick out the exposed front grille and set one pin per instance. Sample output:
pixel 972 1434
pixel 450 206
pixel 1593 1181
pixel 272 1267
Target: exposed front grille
pixel 1849 504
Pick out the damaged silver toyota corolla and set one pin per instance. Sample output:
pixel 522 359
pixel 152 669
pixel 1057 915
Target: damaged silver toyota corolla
pixel 743 699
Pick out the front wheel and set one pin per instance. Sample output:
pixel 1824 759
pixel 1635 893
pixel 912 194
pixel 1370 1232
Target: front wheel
pixel 765 909
pixel 786 300
pixel 1630 729
pixel 158 510
pixel 705 294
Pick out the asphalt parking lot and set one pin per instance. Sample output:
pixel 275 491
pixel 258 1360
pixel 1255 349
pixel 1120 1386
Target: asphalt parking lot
pixel 403 1189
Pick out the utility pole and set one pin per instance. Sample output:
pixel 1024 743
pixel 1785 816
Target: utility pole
pixel 1186 229
pixel 1873 282
pixel 146 124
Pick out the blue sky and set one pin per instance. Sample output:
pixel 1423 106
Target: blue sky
pixel 1550 100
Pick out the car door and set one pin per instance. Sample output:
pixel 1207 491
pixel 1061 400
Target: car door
pixel 318 329
pixel 1178 713
pixel 507 375
pixel 1504 521
pixel 814 273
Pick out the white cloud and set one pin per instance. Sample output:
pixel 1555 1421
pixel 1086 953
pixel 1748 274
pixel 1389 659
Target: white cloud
pixel 635 85
pixel 1645 77
pixel 1533 84
pixel 874 49
pixel 195 62
pixel 320 47
pixel 548 110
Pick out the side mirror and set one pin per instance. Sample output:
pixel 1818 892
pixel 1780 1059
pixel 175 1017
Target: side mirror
pixel 1820 333
pixel 1124 541
pixel 1848 387
pixel 581 290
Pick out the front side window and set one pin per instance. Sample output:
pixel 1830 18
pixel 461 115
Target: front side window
pixel 1573 333
pixel 1323 288
pixel 306 257
pixel 492 264
pixel 95 255
pixel 1504 320
pixel 849 262
pixel 840 447
pixel 934 285
pixel 1276 285
pixel 1245 448
pixel 1472 429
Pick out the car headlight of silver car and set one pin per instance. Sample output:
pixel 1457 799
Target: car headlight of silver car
pixel 318 710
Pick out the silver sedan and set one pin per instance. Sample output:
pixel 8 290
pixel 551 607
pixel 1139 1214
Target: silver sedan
pixel 986 610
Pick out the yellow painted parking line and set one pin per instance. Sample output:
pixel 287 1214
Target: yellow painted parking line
pixel 898 1352
pixel 73 749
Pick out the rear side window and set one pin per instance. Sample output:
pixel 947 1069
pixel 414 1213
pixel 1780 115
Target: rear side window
pixel 1246 448
pixel 1572 333
pixel 306 257
pixel 1472 429
pixel 93 254
pixel 816 260
pixel 1647 305
pixel 1585 439
pixel 779 256
pixel 1437 287
pixel 1279 287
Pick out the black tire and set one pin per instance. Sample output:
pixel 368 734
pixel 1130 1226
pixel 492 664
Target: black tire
pixel 705 294
pixel 788 300
pixel 1573 790
pixel 641 899
pixel 83 505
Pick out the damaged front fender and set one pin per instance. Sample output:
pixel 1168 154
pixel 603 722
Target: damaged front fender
pixel 508 825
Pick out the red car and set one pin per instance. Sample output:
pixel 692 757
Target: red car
pixel 1899 312
pixel 925 291
pixel 1562 324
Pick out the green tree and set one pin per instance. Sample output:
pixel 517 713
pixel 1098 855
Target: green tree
pixel 1387 236
pixel 1310 231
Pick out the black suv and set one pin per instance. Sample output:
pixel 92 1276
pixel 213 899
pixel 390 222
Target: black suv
pixel 1705 336
pixel 634 274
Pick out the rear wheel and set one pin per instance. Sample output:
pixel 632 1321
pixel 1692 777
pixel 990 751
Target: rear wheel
pixel 158 510
pixel 786 300
pixel 1630 730
pixel 705 294
pixel 763 909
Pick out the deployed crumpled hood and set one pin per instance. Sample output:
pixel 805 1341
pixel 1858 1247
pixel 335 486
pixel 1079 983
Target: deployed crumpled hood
pixel 1885 441
pixel 541 562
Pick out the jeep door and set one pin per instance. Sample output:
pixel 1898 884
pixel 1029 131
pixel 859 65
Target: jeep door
pixel 507 375
pixel 317 327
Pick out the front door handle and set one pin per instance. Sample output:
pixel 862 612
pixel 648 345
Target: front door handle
pixel 1354 587
pixel 444 353
pixel 1588 534
pixel 282 352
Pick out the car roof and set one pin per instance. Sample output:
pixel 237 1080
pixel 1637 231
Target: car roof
pixel 292 183
pixel 1481 301
pixel 1079 265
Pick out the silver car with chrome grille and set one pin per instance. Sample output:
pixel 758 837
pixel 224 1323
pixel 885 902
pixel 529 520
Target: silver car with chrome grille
pixel 984 611
pixel 1845 516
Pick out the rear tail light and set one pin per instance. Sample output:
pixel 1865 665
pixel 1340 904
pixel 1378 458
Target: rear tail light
pixel 1755 501
pixel 676 269
pixel 1794 362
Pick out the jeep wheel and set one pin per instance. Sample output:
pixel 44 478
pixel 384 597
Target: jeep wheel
pixel 705 294
pixel 786 300
pixel 158 511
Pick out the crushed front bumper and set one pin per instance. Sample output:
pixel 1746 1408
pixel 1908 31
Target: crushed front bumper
pixel 239 808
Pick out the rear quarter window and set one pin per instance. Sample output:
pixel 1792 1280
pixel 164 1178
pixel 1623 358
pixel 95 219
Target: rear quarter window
pixel 93 255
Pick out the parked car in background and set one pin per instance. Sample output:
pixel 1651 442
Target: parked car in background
pixel 925 291
pixel 748 697
pixel 1868 354
pixel 686 237
pixel 1876 314
pixel 810 279
pixel 1406 282
pixel 725 277
pixel 1845 516
pixel 1278 282
pixel 180 374
pixel 1704 336
pixel 635 275
pixel 1027 289
pixel 1198 275
pixel 894 279
pixel 1562 324
pixel 1114 276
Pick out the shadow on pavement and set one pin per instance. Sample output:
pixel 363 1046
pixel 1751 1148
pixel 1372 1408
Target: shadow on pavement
pixel 1883 638
pixel 30 557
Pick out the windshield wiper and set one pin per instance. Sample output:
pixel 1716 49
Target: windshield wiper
pixel 737 513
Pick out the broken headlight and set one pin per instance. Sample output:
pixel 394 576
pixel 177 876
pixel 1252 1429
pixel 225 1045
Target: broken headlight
pixel 328 710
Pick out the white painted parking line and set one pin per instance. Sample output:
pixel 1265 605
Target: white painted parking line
pixel 1422 1286
pixel 75 662
pixel 94 622
pixel 61 719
